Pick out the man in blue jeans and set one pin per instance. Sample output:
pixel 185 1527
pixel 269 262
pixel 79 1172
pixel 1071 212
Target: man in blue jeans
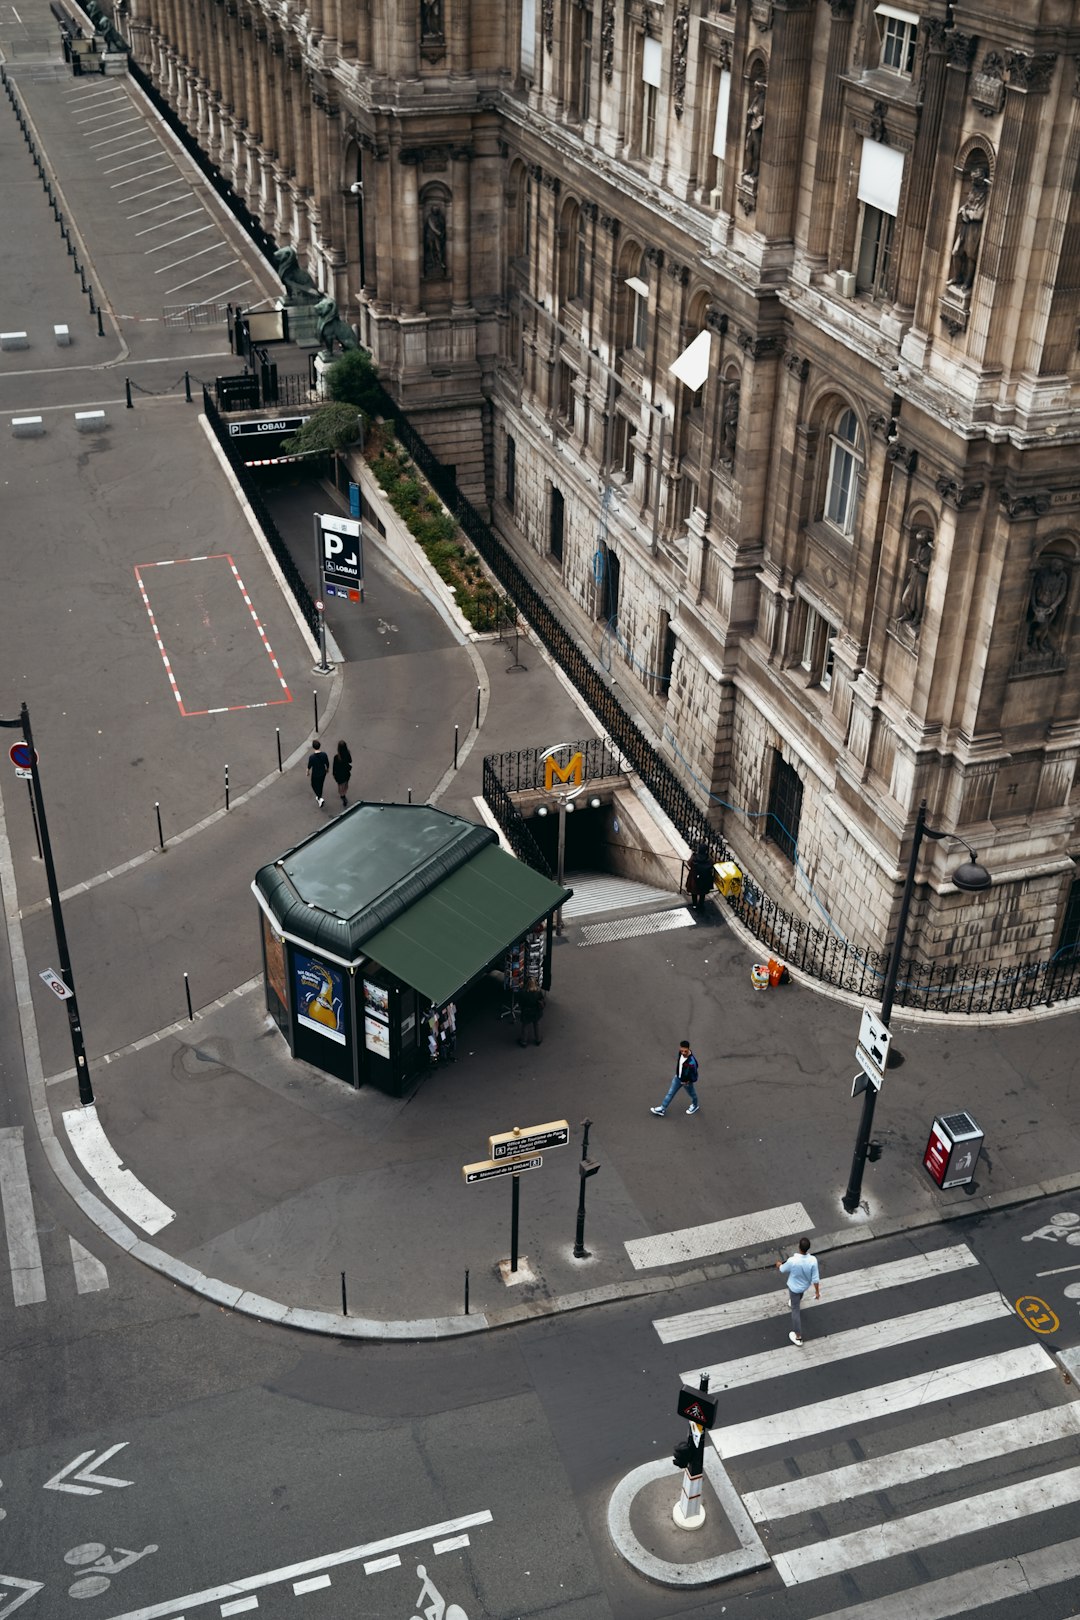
pixel 686 1073
pixel 801 1270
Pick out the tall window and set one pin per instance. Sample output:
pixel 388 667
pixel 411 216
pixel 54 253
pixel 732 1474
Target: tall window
pixel 845 468
pixel 557 520
pixel 785 807
pixel 818 646
pixel 581 258
pixel 622 448
pixel 583 64
pixel 637 324
pixel 528 38
pixel 713 167
pixel 511 470
pixel 881 178
pixel 667 656
pixel 650 94
pixel 898 30
pixel 611 587
pixel 875 252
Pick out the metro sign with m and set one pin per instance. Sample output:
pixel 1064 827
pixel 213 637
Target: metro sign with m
pixel 572 774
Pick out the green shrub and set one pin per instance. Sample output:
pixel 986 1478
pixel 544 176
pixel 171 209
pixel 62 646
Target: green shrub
pixel 352 380
pixel 330 427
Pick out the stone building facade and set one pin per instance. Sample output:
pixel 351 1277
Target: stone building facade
pixel 755 325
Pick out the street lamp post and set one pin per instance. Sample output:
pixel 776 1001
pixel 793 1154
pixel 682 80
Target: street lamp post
pixel 78 1047
pixel 971 878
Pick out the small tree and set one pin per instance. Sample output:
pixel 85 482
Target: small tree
pixel 329 428
pixel 352 380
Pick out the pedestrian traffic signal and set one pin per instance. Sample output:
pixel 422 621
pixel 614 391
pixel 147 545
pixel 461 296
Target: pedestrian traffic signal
pixel 685 1454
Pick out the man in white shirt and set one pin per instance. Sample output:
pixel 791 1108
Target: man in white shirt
pixel 801 1270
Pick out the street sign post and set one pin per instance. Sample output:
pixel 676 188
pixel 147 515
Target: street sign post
pixel 55 984
pixel 19 756
pixel 697 1406
pixel 531 1139
pixel 342 555
pixel 872 1050
pixel 485 1169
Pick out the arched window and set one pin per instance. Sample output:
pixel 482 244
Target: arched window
pixel 845 468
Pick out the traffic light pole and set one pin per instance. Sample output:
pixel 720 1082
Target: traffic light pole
pixel 689 1510
pixel 78 1047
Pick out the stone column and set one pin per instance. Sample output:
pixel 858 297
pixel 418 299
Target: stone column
pixel 933 248
pixel 830 130
pixel 920 175
pixel 363 32
pixel 785 116
pixel 406 281
pixel 460 225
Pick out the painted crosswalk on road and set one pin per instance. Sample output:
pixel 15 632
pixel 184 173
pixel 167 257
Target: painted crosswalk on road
pixel 918 1427
pixel 22 1234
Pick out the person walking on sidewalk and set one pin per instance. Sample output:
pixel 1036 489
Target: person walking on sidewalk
pixel 317 767
pixel 800 1270
pixel 530 1011
pixel 686 1073
pixel 342 769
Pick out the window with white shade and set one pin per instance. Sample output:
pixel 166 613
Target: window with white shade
pixel 637 324
pixel 897 30
pixel 528 38
pixel 650 94
pixel 881 177
pixel 714 134
pixel 845 471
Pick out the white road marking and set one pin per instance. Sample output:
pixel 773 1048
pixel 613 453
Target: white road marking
pixel 98 118
pixel 236 288
pixel 150 191
pixel 375 1566
pixel 99 1158
pixel 150 140
pixel 861 1405
pixel 240 1605
pixel 90 1274
pixel 314 1584
pixel 200 230
pixel 174 1608
pixel 96 146
pixel 205 277
pixel 90 1479
pixel 133 179
pixel 136 163
pixel 26 1589
pixel 946 1452
pixel 846 1285
pixel 967 1591
pixel 1060 1271
pixel 718 1237
pixel 166 224
pixel 155 208
pixel 163 269
pixel 451 1545
pixel 24 1251
pixel 894 1536
pixel 855 1341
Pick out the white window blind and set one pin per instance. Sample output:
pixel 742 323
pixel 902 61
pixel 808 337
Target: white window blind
pixel 638 286
pixel 723 99
pixel 881 173
pixel 692 366
pixel 911 17
pixel 528 36
pixel 650 62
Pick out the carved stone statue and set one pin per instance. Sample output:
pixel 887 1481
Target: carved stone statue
pixel 435 241
pixel 1048 590
pixel 299 287
pixel 913 595
pixel 755 119
pixel 729 421
pixel 969 225
pixel 332 328
pixel 431 19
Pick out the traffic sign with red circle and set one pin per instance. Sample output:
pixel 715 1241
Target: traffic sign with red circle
pixel 19 754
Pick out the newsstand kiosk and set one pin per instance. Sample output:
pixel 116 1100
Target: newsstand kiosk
pixel 953 1150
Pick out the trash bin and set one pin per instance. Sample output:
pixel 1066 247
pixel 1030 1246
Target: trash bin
pixel 953 1150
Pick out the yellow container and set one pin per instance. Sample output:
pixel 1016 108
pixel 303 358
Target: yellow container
pixel 728 879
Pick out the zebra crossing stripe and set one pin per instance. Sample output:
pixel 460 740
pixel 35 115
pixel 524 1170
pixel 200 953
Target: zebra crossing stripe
pixel 846 1285
pixel 969 1590
pixel 860 1406
pixel 90 1274
pixel 718 1237
pixel 855 1342
pixel 947 1452
pixel 984 1512
pixel 24 1252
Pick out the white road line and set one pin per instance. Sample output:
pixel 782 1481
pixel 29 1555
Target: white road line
pixel 174 1607
pixel 718 1237
pixel 186 237
pixel 90 1274
pixel 149 141
pixel 136 163
pixel 239 1606
pixel 861 1405
pixel 945 1453
pixel 95 146
pixel 134 178
pixel 164 224
pixel 315 1584
pixel 204 277
pixel 150 190
pixel 927 1529
pixel 100 1160
pixel 854 1342
pixel 967 1591
pixel 450 1545
pixel 24 1252
pixel 375 1566
pixel 163 269
pixel 845 1285
pixel 236 288
pixel 155 208
pixel 97 118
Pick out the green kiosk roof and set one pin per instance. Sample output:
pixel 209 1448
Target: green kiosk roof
pixel 427 895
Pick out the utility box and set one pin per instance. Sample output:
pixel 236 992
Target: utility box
pixel 953 1150
pixel 728 879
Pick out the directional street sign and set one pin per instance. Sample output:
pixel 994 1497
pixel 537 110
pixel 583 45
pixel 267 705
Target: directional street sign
pixel 872 1051
pixel 342 553
pixel 530 1139
pixel 486 1168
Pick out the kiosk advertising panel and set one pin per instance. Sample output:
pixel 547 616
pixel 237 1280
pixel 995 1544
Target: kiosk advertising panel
pixel 320 997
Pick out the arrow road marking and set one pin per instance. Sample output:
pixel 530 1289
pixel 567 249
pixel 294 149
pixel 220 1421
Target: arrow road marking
pixel 89 1478
pixel 25 1588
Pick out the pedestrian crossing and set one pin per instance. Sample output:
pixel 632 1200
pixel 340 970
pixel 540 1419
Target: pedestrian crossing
pixel 23 1236
pixel 920 1428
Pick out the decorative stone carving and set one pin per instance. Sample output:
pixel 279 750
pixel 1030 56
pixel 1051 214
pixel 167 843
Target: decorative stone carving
pixel 678 272
pixel 655 256
pixel 961 50
pixel 552 183
pixel 589 210
pixel 761 14
pixel 958 496
pixel 1049 588
pixel 547 21
pixel 759 348
pixel 969 226
pixel 755 123
pixel 876 126
pixel 716 320
pixel 434 242
pixel 607 38
pixel 842 10
pixel 901 455
pixel 729 420
pixel 913 591
pixel 431 19
pixel 954 308
pixel 680 36
pixel 797 365
pixel 610 224
pixel 1034 503
pixel 988 85
pixel 1032 73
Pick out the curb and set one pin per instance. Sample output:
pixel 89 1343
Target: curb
pixel 751 1553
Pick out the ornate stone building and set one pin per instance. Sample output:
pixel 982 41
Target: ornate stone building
pixel 755 324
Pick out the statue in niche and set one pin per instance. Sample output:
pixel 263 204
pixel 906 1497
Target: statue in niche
pixel 969 226
pixel 913 594
pixel 299 287
pixel 729 421
pixel 1048 590
pixel 435 241
pixel 332 329
pixel 431 19
pixel 755 119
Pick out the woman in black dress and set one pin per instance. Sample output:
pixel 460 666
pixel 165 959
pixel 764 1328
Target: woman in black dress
pixel 342 769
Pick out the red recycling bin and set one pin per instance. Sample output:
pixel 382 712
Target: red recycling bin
pixel 953 1150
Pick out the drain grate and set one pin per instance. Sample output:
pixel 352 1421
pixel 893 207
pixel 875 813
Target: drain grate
pixel 656 922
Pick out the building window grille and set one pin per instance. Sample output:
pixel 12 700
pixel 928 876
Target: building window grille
pixel 557 522
pixel 845 467
pixel 511 470
pixel 785 807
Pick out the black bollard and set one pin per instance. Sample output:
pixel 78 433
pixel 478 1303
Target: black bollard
pixel 226 787
pixel 100 328
pixel 187 992
pixel 466 1293
pixel 277 733
pixel 187 386
pixel 344 1298
pixel 127 392
pixel 160 834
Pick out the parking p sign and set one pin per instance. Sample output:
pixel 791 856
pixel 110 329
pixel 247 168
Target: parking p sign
pixel 342 559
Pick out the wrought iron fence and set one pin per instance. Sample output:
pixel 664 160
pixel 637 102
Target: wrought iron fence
pixel 250 486
pixel 193 315
pixel 510 819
